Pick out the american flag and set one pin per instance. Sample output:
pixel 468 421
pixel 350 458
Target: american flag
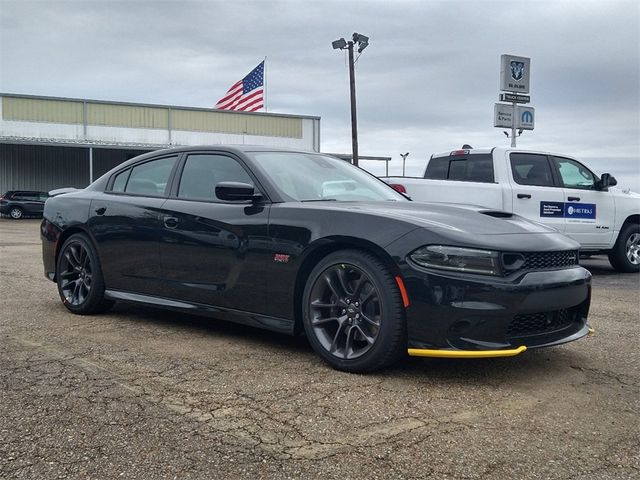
pixel 246 94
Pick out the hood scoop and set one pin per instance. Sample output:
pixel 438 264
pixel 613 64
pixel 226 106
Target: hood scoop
pixel 496 213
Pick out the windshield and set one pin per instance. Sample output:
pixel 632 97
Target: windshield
pixel 309 177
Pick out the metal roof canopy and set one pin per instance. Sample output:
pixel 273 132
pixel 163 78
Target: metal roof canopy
pixel 156 105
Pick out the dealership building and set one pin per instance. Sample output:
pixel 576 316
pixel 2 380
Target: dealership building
pixel 50 142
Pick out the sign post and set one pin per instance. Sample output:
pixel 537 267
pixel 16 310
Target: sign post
pixel 514 82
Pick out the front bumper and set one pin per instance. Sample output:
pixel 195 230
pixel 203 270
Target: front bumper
pixel 477 316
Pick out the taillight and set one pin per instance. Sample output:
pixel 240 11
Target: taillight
pixel 398 187
pixel 459 152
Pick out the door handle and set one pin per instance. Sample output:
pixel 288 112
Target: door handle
pixel 101 210
pixel 524 195
pixel 170 222
pixel 574 199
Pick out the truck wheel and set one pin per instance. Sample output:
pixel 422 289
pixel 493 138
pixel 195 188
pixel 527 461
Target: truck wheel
pixel 625 255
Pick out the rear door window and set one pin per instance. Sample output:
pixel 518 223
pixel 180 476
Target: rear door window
pixel 438 168
pixel 471 168
pixel 531 169
pixel 151 178
pixel 120 181
pixel 26 196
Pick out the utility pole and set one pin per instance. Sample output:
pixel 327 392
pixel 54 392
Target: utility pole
pixel 354 118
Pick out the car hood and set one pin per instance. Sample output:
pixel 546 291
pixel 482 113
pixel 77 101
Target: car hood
pixel 625 194
pixel 461 219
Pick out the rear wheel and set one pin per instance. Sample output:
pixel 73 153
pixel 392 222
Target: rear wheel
pixel 16 213
pixel 353 313
pixel 79 277
pixel 625 255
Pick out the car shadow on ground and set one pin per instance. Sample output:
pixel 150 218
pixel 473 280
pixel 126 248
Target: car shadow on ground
pixel 599 265
pixel 204 325
pixel 531 364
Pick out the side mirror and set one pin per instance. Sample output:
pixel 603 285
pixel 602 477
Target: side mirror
pixel 235 191
pixel 606 181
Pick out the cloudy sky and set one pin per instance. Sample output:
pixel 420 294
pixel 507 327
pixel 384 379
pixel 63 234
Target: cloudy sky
pixel 426 83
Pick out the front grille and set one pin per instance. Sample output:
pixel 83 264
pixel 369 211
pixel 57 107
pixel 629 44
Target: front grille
pixel 537 323
pixel 549 260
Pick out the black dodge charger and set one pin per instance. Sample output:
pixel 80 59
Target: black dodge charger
pixel 302 242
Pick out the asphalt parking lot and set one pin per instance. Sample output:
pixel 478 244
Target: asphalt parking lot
pixel 143 393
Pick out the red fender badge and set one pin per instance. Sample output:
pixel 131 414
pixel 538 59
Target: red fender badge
pixel 281 258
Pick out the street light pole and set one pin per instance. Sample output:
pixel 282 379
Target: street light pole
pixel 404 158
pixel 362 41
pixel 513 125
pixel 354 118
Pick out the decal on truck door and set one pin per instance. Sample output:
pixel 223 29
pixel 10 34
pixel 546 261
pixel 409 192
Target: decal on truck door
pixel 551 209
pixel 580 210
pixel 568 210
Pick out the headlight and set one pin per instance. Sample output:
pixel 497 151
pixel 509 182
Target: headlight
pixel 458 259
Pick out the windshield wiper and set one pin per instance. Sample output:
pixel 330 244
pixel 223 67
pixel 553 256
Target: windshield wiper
pixel 321 200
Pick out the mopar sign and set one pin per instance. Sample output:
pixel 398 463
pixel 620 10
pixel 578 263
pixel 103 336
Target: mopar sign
pixel 526 117
pixel 568 210
pixel 510 116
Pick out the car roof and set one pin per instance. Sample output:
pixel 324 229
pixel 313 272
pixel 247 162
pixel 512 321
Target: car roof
pixel 501 149
pixel 237 149
pixel 230 148
pixel 12 192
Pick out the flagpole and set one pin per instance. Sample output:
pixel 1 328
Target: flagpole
pixel 265 83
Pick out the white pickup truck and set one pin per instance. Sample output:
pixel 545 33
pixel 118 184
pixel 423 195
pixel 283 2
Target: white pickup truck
pixel 556 190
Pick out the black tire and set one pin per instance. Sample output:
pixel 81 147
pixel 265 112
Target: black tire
pixel 625 256
pixel 352 294
pixel 79 277
pixel 16 213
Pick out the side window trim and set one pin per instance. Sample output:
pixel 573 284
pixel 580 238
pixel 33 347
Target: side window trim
pixel 555 172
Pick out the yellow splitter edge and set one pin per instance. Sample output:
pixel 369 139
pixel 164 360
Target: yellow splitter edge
pixel 421 352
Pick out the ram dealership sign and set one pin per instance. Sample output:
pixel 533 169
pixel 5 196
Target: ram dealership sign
pixel 514 73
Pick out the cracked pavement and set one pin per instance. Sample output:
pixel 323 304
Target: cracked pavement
pixel 144 393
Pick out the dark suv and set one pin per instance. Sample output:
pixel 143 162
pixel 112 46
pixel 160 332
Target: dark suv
pixel 22 203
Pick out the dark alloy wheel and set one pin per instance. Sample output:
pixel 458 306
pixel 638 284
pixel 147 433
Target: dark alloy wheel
pixel 353 313
pixel 79 277
pixel 625 255
pixel 15 213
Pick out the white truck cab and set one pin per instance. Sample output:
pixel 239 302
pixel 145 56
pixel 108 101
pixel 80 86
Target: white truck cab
pixel 553 189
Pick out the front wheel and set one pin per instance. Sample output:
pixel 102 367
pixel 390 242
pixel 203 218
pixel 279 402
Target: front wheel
pixel 353 313
pixel 79 277
pixel 625 255
pixel 16 213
